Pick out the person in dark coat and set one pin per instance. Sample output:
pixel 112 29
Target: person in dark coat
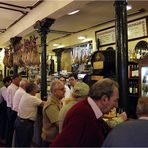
pixel 83 125
pixel 3 108
pixel 131 133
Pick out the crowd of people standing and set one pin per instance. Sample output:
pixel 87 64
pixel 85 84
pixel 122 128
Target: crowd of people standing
pixel 72 116
pixel 18 111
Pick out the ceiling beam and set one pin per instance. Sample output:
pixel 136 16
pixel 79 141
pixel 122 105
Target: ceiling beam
pixel 22 11
pixel 60 32
pixel 21 7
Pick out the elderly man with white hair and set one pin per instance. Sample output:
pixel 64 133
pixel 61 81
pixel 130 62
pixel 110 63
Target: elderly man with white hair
pixel 83 125
pixel 27 114
pixel 19 93
pixel 17 97
pixel 51 112
pixel 11 114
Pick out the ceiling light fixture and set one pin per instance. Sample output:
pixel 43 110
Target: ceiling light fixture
pixel 128 7
pixel 82 37
pixel 73 12
pixel 55 45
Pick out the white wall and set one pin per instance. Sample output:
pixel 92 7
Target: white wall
pixel 90 34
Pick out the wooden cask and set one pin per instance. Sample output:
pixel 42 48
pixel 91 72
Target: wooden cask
pixel 103 63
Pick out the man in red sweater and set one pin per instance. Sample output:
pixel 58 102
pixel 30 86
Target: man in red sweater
pixel 83 125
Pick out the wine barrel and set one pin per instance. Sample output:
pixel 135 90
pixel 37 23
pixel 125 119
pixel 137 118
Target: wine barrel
pixel 103 63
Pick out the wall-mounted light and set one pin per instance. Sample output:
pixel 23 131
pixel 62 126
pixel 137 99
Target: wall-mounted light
pixel 73 12
pixel 58 45
pixel 128 7
pixel 82 37
pixel 55 45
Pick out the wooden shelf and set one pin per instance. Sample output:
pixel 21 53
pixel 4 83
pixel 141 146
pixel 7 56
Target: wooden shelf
pixel 134 95
pixel 134 78
pixel 133 62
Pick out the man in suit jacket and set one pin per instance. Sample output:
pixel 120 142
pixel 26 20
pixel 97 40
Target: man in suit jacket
pixel 131 133
pixel 83 124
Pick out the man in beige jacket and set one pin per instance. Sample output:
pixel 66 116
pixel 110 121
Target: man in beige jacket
pixel 51 112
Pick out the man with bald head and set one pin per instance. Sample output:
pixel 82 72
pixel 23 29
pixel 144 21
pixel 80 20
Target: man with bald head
pixel 11 114
pixel 27 114
pixel 19 93
pixel 51 112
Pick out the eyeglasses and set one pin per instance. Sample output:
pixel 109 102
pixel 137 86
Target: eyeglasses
pixel 62 80
pixel 71 79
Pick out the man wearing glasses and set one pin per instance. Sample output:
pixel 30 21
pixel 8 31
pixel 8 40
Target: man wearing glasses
pixel 51 112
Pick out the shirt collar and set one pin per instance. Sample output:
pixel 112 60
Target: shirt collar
pixel 95 108
pixel 13 85
pixel 20 88
pixel 55 99
pixel 144 118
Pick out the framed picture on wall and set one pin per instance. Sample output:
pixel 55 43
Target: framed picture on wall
pixel 105 37
pixel 24 72
pixel 136 29
pixel 10 72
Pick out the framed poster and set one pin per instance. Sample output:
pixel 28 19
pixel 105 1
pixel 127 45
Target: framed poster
pixel 10 72
pixel 24 72
pixel 136 29
pixel 106 37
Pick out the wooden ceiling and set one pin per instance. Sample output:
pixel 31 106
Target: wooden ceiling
pixel 91 13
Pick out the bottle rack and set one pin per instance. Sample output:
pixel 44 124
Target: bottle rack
pixel 133 81
pixel 133 77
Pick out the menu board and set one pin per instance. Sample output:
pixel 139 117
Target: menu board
pixel 136 29
pixel 107 36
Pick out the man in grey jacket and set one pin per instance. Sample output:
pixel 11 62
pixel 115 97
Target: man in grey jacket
pixel 131 133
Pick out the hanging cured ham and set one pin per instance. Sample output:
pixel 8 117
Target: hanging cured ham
pixel 26 53
pixel 35 57
pixel 8 59
pixel 30 54
pixel 17 51
pixel 23 54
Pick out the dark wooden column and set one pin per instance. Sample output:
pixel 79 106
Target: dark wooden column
pixel 42 28
pixel 122 52
pixel 5 71
pixel 58 54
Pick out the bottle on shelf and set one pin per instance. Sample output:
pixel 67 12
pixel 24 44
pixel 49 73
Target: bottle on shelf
pixel 129 71
pixel 133 87
pixel 138 54
pixel 136 88
pixel 130 87
pixel 132 70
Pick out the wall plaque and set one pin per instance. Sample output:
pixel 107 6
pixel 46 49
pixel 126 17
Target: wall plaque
pixel 136 29
pixel 98 65
pixel 106 36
